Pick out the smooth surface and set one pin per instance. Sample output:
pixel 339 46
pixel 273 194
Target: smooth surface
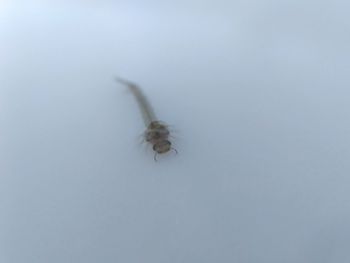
pixel 257 91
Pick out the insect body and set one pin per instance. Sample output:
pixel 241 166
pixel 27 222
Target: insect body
pixel 156 133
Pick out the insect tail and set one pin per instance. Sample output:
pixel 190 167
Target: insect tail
pixel 145 107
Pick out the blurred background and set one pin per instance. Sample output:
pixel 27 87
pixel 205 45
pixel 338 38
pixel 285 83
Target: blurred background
pixel 256 93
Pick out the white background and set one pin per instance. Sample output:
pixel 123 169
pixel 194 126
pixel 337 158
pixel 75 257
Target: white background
pixel 257 93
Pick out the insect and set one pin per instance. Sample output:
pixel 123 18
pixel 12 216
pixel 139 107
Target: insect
pixel 157 132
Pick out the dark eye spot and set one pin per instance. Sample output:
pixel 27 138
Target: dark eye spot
pixel 162 147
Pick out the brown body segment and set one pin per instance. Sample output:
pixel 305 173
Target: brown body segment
pixel 157 134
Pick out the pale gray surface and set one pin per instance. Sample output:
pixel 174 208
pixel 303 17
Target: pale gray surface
pixel 258 91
